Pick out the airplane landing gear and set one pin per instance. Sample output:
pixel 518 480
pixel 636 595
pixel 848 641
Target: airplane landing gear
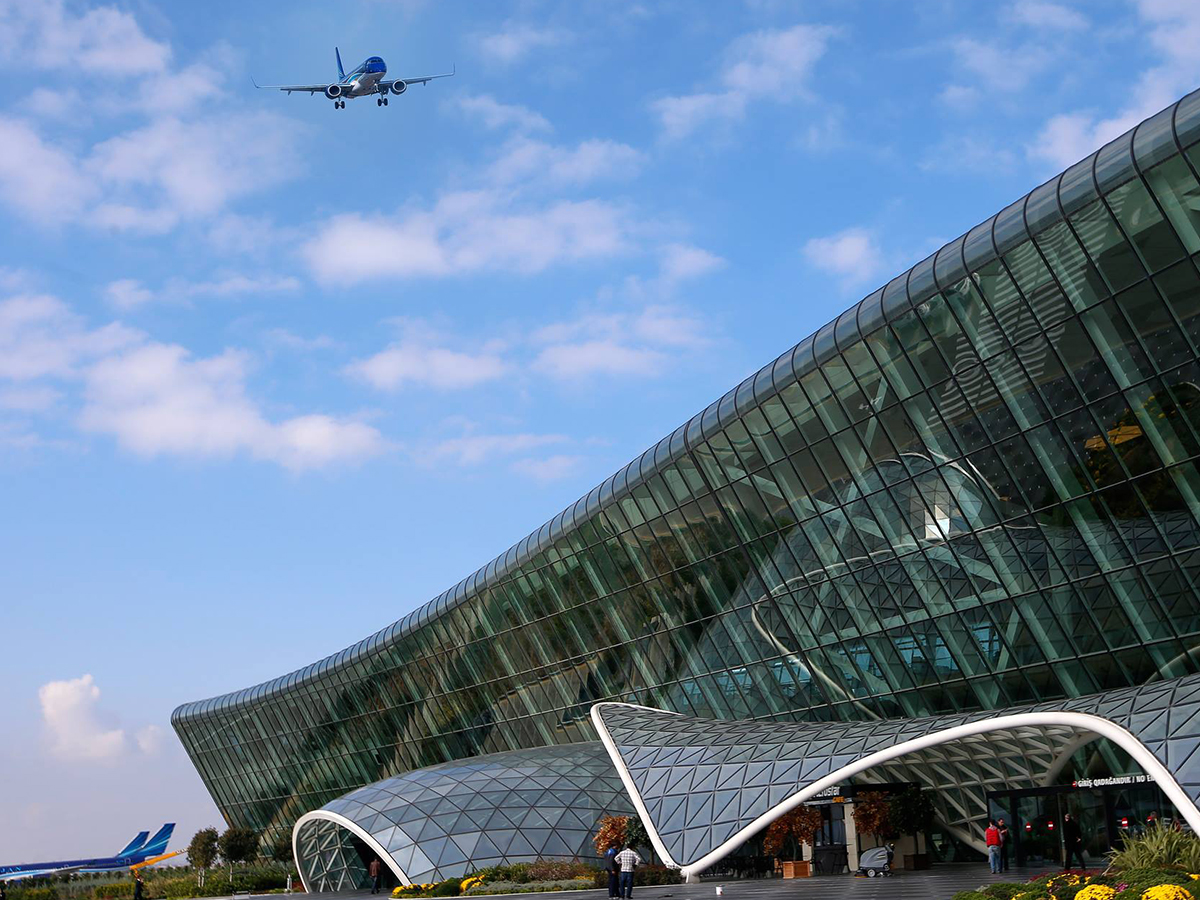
pixel 381 101
pixel 339 104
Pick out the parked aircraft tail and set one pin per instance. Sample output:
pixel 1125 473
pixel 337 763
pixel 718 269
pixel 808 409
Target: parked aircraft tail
pixel 136 844
pixel 158 843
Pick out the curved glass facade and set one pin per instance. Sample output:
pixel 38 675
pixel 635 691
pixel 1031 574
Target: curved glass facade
pixel 447 820
pixel 975 489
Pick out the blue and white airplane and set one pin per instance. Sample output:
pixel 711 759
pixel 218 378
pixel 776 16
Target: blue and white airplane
pixel 365 81
pixel 142 850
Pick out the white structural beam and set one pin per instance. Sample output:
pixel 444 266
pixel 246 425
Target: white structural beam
pixel 1052 719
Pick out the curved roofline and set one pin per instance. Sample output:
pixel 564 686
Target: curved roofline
pixel 1149 142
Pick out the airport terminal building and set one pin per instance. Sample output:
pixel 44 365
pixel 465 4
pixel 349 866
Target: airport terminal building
pixel 952 538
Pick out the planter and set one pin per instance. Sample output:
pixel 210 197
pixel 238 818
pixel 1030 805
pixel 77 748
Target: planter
pixel 797 869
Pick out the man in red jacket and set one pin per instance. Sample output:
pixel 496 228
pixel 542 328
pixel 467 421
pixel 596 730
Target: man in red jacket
pixel 994 841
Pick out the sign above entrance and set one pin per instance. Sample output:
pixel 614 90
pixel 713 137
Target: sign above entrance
pixel 1109 782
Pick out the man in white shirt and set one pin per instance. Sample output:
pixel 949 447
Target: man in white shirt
pixel 628 860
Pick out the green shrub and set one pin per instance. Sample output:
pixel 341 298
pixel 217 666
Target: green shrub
pixel 451 887
pixel 514 887
pixel 1003 890
pixel 48 892
pixel 1158 848
pixel 971 895
pixel 656 874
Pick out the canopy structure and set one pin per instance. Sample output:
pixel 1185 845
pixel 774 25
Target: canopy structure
pixel 703 786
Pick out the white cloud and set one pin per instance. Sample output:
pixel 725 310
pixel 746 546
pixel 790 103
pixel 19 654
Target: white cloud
pixel 150 739
pixel 683 262
pixel 465 233
pixel 967 153
pixel 1173 27
pixel 770 64
pixel 38 179
pixel 590 160
pixel 516 40
pixel 74 723
pixel 547 469
pixel 617 344
pixel 190 168
pixel 474 449
pixel 127 293
pixel 421 358
pixel 156 399
pixel 852 255
pixel 1000 67
pixel 494 114
pixel 102 41
pixel 29 399
pixel 292 341
pixel 1044 15
pixel 960 96
pixel 41 337
pixel 606 356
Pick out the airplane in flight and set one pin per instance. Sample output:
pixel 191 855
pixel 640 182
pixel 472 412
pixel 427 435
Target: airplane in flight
pixel 365 81
pixel 142 851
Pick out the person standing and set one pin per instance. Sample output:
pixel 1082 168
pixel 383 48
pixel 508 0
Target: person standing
pixel 613 870
pixel 138 886
pixel 1072 843
pixel 628 860
pixel 373 871
pixel 1003 829
pixel 991 837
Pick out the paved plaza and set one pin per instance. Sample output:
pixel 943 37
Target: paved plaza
pixel 939 883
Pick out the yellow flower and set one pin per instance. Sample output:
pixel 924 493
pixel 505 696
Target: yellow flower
pixel 1166 892
pixel 1096 892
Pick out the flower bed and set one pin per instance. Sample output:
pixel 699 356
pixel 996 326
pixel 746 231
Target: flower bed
pixel 1131 884
pixel 520 878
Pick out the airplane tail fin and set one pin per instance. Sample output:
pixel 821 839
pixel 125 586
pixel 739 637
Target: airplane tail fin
pixel 158 843
pixel 341 71
pixel 135 844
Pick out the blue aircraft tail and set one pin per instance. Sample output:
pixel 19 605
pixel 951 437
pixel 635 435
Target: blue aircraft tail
pixel 134 845
pixel 341 72
pixel 158 843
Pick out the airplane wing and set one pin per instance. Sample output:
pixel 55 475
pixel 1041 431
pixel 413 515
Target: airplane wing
pixel 311 88
pixel 423 79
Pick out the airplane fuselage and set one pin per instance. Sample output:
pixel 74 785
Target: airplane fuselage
pixel 365 79
pixel 99 864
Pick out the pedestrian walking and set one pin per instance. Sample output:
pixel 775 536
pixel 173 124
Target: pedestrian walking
pixel 992 838
pixel 1004 834
pixel 628 860
pixel 373 871
pixel 1072 842
pixel 614 870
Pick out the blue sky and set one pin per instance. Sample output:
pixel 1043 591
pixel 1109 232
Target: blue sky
pixel 272 375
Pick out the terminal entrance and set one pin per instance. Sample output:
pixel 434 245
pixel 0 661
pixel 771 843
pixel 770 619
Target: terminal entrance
pixel 1105 808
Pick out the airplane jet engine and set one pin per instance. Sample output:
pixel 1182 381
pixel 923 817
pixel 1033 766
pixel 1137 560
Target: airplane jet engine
pixel 399 87
pixel 333 91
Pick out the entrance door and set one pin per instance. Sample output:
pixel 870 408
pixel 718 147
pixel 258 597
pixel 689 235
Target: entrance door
pixel 1037 824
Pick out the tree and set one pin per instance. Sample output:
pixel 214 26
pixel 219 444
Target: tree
pixel 611 834
pixel 202 851
pixel 636 834
pixel 281 850
pixel 787 834
pixel 872 815
pixel 911 811
pixel 237 845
